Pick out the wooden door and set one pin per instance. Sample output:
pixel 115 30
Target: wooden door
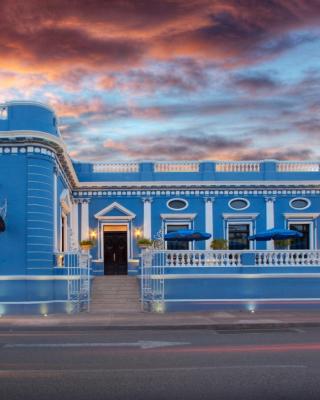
pixel 115 253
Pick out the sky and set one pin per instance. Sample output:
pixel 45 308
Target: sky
pixel 169 79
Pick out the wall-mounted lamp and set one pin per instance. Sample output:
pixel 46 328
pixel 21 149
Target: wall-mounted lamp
pixel 93 234
pixel 138 233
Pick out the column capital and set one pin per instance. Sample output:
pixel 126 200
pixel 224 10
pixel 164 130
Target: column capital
pixel 83 201
pixel 208 199
pixel 270 198
pixel 147 199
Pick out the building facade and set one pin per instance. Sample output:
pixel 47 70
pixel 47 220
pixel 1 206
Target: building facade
pixel 49 203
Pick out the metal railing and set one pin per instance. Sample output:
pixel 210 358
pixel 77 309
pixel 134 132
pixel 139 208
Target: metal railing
pixel 78 266
pixel 152 282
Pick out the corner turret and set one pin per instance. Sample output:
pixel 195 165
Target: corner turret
pixel 28 116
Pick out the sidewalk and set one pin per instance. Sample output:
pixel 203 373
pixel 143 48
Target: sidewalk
pixel 139 321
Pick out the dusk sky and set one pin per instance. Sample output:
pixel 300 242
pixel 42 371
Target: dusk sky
pixel 169 79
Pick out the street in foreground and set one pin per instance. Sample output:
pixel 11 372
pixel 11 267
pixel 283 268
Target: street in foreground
pixel 191 364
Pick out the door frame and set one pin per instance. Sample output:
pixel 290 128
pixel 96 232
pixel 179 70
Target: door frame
pixel 129 247
pixel 104 233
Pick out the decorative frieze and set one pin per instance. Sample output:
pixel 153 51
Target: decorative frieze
pixel 196 193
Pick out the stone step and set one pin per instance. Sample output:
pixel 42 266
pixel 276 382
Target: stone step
pixel 115 294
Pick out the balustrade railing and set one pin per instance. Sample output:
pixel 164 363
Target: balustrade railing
pixel 116 167
pixel 179 166
pixel 77 265
pixel 295 166
pixel 287 258
pixel 230 258
pixel 238 166
pixel 194 258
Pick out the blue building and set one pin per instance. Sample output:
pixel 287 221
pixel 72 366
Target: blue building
pixel 49 203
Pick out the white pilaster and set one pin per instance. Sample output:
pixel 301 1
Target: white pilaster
pixel 85 220
pixel 209 219
pixel 75 226
pixel 55 212
pixel 270 218
pixel 147 218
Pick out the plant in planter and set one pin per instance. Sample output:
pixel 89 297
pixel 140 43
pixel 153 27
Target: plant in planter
pixel 87 244
pixel 282 244
pixel 219 244
pixel 144 243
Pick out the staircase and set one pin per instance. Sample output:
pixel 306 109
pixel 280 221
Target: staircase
pixel 115 294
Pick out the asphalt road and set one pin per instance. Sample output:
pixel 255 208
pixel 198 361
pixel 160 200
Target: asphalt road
pixel 191 364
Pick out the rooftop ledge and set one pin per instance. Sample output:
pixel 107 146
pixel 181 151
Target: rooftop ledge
pixel 214 166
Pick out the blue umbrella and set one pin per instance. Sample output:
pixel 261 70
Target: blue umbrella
pixel 188 235
pixel 276 234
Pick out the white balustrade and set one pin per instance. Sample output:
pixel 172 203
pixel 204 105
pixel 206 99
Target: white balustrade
pixel 183 166
pixel 296 166
pixel 284 258
pixel 238 166
pixel 116 167
pixel 194 258
pixel 230 258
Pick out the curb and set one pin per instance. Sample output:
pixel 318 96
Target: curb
pixel 209 326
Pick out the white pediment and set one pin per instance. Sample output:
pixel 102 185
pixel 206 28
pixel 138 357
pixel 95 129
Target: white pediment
pixel 115 211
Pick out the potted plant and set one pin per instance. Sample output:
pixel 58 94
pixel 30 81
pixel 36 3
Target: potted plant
pixel 219 244
pixel 282 244
pixel 87 244
pixel 144 243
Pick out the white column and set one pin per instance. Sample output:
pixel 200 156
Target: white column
pixel 270 218
pixel 147 218
pixel 85 220
pixel 209 219
pixel 55 212
pixel 75 226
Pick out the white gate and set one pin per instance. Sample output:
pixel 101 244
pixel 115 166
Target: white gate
pixel 78 273
pixel 152 281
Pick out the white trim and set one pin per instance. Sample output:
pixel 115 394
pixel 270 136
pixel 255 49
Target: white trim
pixel 270 220
pixel 178 216
pixel 84 220
pixel 239 198
pixel 208 220
pixel 240 216
pixel 115 205
pixel 147 220
pixel 186 204
pixel 302 215
pixel 65 201
pixel 75 226
pixel 300 198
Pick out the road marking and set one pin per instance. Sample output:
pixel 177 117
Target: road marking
pixel 143 344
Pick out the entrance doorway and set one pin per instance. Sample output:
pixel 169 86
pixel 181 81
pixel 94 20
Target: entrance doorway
pixel 115 251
